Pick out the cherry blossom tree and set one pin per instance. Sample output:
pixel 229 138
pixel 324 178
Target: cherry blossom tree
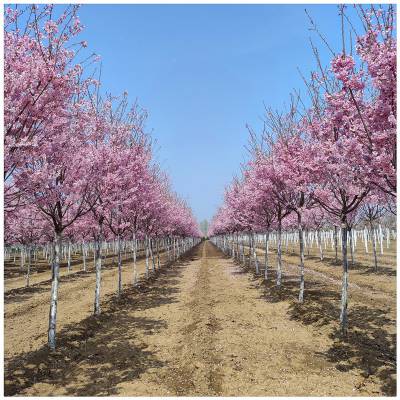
pixel 327 163
pixel 40 79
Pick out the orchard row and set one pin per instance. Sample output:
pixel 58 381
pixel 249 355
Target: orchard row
pixel 78 164
pixel 329 166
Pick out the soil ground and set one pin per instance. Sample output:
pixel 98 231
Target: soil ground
pixel 203 326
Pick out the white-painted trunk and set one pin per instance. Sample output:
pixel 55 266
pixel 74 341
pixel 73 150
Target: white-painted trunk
pixel 119 265
pixel 98 248
pixel 54 291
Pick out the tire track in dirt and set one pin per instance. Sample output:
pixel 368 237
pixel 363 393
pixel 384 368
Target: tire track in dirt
pixel 202 362
pixel 188 346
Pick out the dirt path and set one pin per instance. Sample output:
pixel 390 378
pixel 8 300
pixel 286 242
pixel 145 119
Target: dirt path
pixel 203 327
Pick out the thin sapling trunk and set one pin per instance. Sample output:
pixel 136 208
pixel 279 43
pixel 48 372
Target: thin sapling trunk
pixel 344 299
pixel 54 291
pixel 301 248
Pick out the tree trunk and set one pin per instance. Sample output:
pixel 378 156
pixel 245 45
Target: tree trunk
pixel 98 246
pixel 119 266
pixel 243 252
pixel 69 256
pixel 301 248
pixel 113 252
pixel 321 252
pixel 381 238
pixel 336 244
pixel 158 254
pixel 255 254
pixel 387 238
pixel 147 257
pixel 22 263
pixel 237 247
pixel 365 239
pixel 279 265
pixel 373 237
pixel 266 255
pixel 350 233
pixel 343 310
pixel 54 291
pixel 84 256
pixel 134 259
pixel 250 248
pixel 28 272
pixel 153 264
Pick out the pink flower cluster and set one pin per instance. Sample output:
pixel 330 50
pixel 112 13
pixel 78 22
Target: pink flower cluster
pixel 74 165
pixel 340 154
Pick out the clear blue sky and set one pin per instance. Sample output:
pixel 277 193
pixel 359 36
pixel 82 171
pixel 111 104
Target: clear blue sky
pixel 203 72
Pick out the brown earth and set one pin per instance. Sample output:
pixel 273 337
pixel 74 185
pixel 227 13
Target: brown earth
pixel 201 327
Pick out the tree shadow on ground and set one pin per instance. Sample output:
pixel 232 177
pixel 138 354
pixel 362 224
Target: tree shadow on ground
pixel 19 295
pixel 369 347
pixel 102 350
pixel 14 270
pixel 97 354
pixel 270 291
pixel 365 268
pixel 370 270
